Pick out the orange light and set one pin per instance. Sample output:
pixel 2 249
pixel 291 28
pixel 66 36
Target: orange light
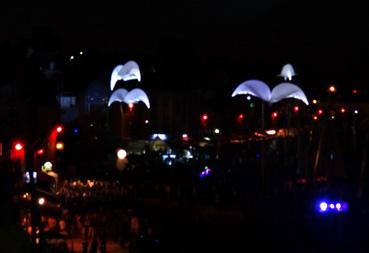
pixel 18 146
pixel 332 89
pixel 315 101
pixel 130 105
pixel 296 109
pixel 59 146
pixel 40 151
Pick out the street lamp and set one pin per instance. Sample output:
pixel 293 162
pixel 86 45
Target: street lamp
pixel 121 154
pixel 332 89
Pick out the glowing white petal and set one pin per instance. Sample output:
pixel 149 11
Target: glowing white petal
pixel 130 71
pixel 117 96
pixel 287 90
pixel 287 72
pixel 137 95
pixel 255 88
pixel 115 77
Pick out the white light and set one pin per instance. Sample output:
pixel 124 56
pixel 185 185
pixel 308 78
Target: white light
pixel 48 166
pixel 162 137
pixel 271 132
pixel 216 130
pixel 121 154
pixel 207 138
pixel 81 53
pixel 248 97
pixel 146 122
pixel 71 58
pixel 41 201
pixel 323 206
pixel 332 117
pixel 356 112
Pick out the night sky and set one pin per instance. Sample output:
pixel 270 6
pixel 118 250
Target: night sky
pixel 215 43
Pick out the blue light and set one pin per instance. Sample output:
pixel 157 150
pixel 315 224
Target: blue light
pixel 205 173
pixel 323 206
pixel 75 130
pixel 162 137
pixel 332 206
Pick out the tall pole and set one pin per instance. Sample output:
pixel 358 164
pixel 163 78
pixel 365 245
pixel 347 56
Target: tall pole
pixel 262 162
pixel 36 236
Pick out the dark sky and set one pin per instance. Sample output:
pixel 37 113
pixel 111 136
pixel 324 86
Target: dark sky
pixel 324 41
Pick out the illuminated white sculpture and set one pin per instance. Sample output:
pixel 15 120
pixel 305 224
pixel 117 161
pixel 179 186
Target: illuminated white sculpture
pixel 287 90
pixel 261 90
pixel 287 72
pixel 255 88
pixel 134 96
pixel 117 96
pixel 126 72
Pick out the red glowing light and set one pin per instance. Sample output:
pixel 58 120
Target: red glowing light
pixel 185 137
pixel 204 117
pixel 320 111
pixel 40 151
pixel 342 110
pixel 59 129
pixel 130 105
pixel 354 91
pixel 274 115
pixel 315 117
pixel 296 109
pixel 241 116
pixel 18 146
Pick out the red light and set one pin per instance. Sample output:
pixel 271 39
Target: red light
pixel 315 117
pixel 59 129
pixel 296 109
pixel 18 146
pixel 241 116
pixel 40 151
pixel 185 137
pixel 320 111
pixel 274 115
pixel 342 110
pixel 130 105
pixel 354 91
pixel 204 117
